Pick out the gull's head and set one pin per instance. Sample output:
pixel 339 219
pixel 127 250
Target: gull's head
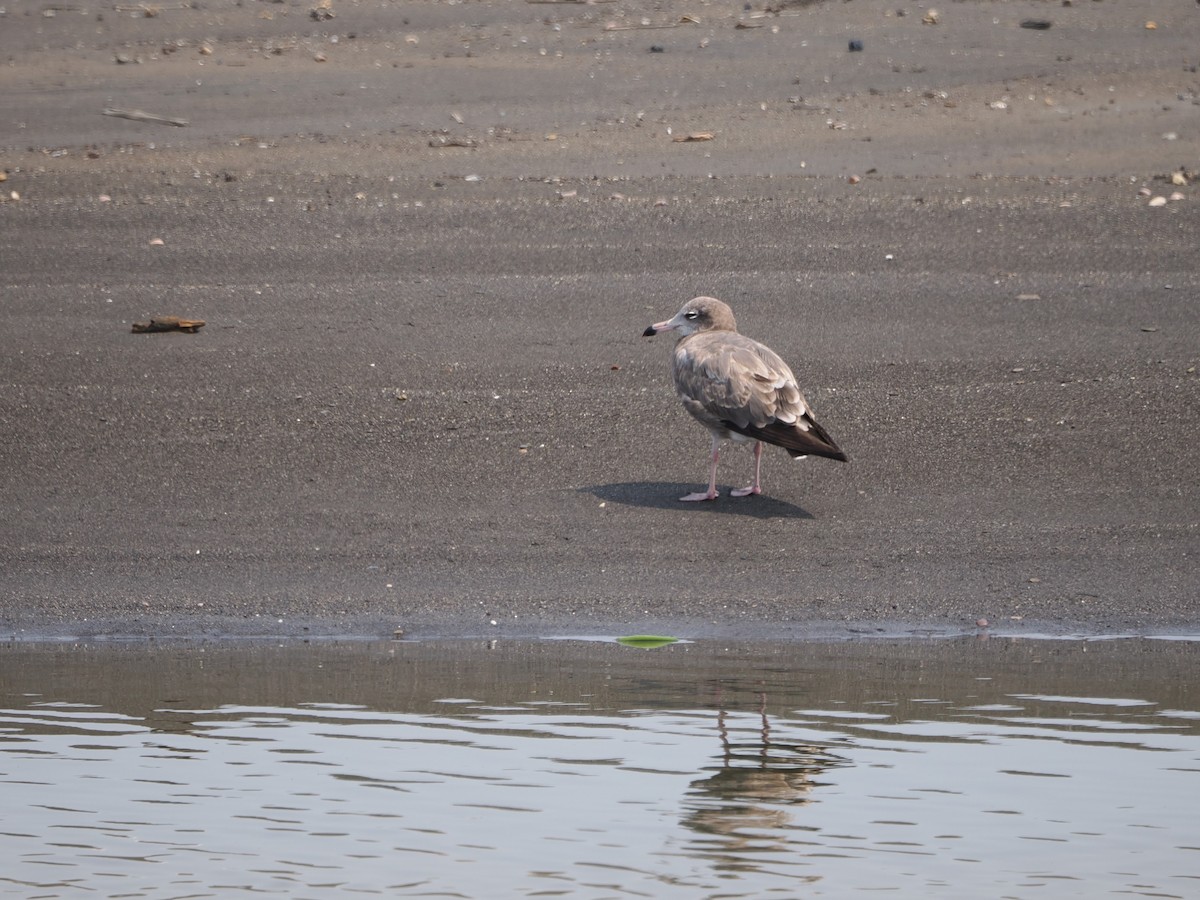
pixel 698 314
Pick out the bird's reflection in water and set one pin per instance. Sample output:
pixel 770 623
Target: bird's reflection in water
pixel 741 812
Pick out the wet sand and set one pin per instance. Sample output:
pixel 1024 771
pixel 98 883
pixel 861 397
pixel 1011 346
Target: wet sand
pixel 426 251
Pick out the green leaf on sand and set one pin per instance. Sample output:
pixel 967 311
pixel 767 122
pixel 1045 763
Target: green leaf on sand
pixel 646 641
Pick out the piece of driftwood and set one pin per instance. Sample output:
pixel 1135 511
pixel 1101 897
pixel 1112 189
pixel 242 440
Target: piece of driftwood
pixel 138 115
pixel 168 323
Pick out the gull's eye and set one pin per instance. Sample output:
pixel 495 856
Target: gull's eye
pixel 691 314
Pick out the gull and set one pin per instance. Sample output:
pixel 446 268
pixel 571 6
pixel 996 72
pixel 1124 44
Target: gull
pixel 738 389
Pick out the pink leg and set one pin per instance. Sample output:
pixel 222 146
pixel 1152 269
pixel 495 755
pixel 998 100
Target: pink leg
pixel 712 477
pixel 755 488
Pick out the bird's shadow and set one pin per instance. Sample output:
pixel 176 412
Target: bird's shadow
pixel 665 495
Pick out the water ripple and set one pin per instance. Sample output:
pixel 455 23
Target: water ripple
pixel 699 781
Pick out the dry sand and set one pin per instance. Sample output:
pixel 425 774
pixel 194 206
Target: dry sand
pixel 426 237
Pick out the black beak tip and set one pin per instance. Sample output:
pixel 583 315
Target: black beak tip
pixel 649 332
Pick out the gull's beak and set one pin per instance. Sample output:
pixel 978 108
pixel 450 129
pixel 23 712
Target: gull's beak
pixel 657 327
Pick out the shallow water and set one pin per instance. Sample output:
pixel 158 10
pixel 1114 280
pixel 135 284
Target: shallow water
pixel 1000 768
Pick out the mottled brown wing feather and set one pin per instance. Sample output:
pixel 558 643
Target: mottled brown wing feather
pixel 726 379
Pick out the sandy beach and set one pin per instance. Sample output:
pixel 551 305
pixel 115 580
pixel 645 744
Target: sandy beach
pixel 425 239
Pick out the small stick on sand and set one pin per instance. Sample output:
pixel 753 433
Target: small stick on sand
pixel 138 115
pixel 615 27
